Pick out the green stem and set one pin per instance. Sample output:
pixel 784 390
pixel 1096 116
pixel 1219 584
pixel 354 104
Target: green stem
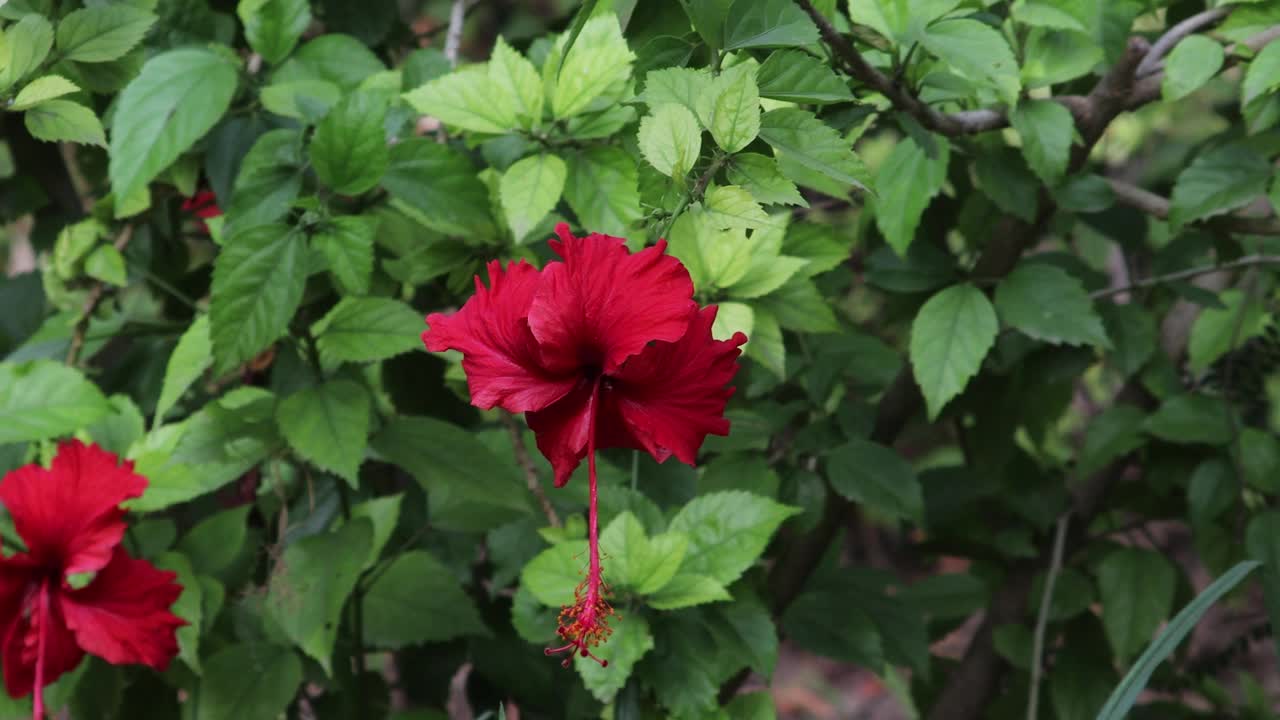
pixel 357 611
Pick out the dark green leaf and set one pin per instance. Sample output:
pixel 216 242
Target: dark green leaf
pixel 906 182
pixel 441 184
pixel 602 188
pixel 1047 304
pixel 258 281
pixel 767 23
pixel 1137 595
pixel 273 27
pixel 416 600
pixel 367 330
pixel 248 681
pixel 1191 418
pixel 1219 180
pixel 328 425
pixel 812 153
pixel 876 476
pixel 799 77
pixel 347 244
pixel 349 149
pixel 950 336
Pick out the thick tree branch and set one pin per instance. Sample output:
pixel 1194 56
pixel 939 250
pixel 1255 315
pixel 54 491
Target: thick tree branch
pixel 1157 206
pixel 1174 35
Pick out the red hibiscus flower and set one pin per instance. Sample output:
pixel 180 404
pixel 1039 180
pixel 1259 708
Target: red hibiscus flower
pixel 70 519
pixel 605 348
pixel 203 205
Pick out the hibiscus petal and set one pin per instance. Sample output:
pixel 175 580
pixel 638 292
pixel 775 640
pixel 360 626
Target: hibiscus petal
pixel 123 615
pixel 20 629
pixel 561 430
pixel 70 514
pixel 603 304
pixel 499 353
pixel 673 394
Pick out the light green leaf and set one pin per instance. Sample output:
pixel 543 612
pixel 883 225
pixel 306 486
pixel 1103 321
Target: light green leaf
pixel 909 178
pixel 188 607
pixel 950 336
pixel 760 176
pixel 23 46
pixel 1046 129
pixel 1056 56
pixel 440 183
pixel 1046 303
pixel 671 140
pixel 467 99
pixel 637 562
pixel 173 102
pixel 305 100
pixel 1218 180
pixel 1215 329
pixel 767 23
pixel 796 76
pixel 258 280
pixel 530 189
pixel 732 317
pixel 349 149
pixel 682 86
pixel 1263 75
pixel 516 79
pixel 729 206
pixel 735 113
pixel 63 120
pixel 1192 63
pixel 106 263
pixel 416 600
pixel 367 330
pixel 553 573
pixel 765 346
pixel 42 399
pixel 255 680
pixel 347 245
pixel 812 153
pixel 42 89
pixel 121 428
pixel 766 275
pixel 101 33
pixel 273 27
pixel 630 641
pixel 977 52
pixel 309 586
pixel 876 476
pixel 687 590
pixel 599 58
pixel 1045 15
pixel 1137 595
pixel 727 532
pixel 798 305
pixel 328 425
pixel 713 257
pixel 602 187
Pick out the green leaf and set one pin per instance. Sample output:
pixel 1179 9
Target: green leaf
pixel 727 532
pixel 798 305
pixel 636 561
pixel 215 543
pixel 1046 129
pixel 338 59
pixel 760 176
pixel 305 100
pixel 349 149
pixel 766 346
pixel 1113 433
pixel 1191 418
pixel 795 76
pixel 598 59
pixel 909 178
pixel 328 425
pixel 1046 303
pixel 1262 542
pixel 42 399
pixel 172 102
pixel 977 52
pixel 441 184
pixel 367 330
pixel 730 207
pixel 812 153
pixel 1259 458
pixel 1137 595
pixel 516 79
pixel 765 275
pixel 950 336
pixel 713 257
pixel 681 86
pixel 530 189
pixel 258 280
pixel 191 357
pixel 273 27
pixel 1007 180
pixel 467 99
pixel 1219 180
pixel 269 180
pixel 384 513
pixel 249 680
pixel 1057 56
pixel 552 574
pixel 187 606
pixel 24 45
pixel 671 140
pixel 471 488
pixel 63 120
pixel 1262 76
pixel 309 587
pixel 1126 693
pixel 602 187
pixel 874 475
pixel 121 428
pixel 767 23
pixel 101 33
pixel 1192 63
pixel 1216 329
pixel 630 641
pixel 1045 15
pixel 42 89
pixel 735 112
pixel 687 590
pixel 347 244
pixel 106 263
pixel 417 600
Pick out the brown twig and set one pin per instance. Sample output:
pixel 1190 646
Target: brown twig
pixel 91 304
pixel 1239 263
pixel 1174 35
pixel 1157 206
pixel 530 470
